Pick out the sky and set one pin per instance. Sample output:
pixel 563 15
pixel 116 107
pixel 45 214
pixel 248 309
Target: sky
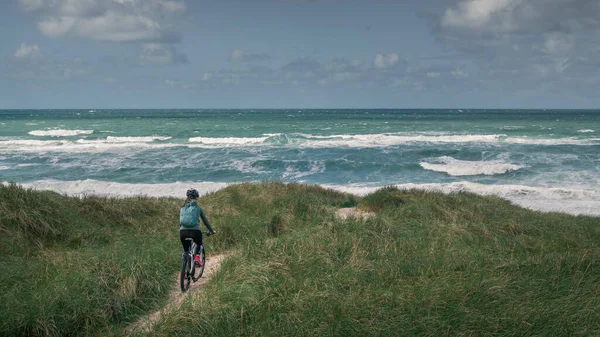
pixel 299 54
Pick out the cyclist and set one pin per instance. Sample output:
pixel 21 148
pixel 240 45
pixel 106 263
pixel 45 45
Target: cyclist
pixel 194 231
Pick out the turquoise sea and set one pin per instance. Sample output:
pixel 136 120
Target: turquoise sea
pixel 543 159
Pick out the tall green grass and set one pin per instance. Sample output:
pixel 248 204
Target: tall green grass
pixel 73 266
pixel 425 264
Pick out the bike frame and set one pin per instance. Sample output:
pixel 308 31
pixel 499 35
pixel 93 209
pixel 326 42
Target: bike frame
pixel 190 256
pixel 188 262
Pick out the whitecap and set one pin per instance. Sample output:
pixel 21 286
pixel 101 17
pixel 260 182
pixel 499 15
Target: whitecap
pixel 391 139
pixel 294 173
pixel 228 141
pixel 79 146
pixel 548 141
pixel 585 131
pixel 383 140
pixel 60 133
pixel 148 139
pixel 455 167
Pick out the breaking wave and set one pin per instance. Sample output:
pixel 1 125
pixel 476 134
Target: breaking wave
pixel 60 133
pixel 228 141
pixel 455 167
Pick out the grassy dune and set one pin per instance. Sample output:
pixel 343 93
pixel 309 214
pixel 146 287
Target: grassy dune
pixel 426 264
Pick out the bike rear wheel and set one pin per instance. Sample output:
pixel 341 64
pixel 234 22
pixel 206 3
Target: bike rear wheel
pixel 199 269
pixel 184 277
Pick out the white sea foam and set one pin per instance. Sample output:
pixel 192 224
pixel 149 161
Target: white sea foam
pixel 79 146
pixel 455 167
pixel 274 140
pixel 293 173
pixel 84 145
pixel 60 133
pixel 113 189
pixel 148 139
pixel 585 130
pixel 567 200
pixel 4 167
pixel 390 139
pixel 228 141
pixel 111 141
pixel 30 143
pixel 548 141
pixel 382 140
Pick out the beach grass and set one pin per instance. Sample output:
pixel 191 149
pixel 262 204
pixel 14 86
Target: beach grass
pixel 426 264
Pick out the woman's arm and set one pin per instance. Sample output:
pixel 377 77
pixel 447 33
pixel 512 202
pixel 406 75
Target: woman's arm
pixel 205 220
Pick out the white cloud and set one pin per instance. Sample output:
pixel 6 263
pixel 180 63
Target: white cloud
pixel 107 20
pixel 357 63
pixel 237 55
pixel 159 53
pixel 521 45
pixel 29 63
pixel 341 65
pixel 433 74
pixel 525 17
pixel 478 14
pixel 207 76
pixel 400 82
pixel 30 51
pixel 32 5
pixel 385 60
pixel 558 43
pixel 240 56
pixel 561 65
pixel 459 73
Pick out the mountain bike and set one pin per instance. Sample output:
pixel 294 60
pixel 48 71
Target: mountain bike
pixel 192 271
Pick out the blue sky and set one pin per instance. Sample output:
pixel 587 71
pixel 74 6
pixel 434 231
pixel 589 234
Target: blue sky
pixel 299 54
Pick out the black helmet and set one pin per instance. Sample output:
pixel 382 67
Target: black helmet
pixel 192 193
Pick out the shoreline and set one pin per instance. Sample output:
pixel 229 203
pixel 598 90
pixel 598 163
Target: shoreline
pixel 572 201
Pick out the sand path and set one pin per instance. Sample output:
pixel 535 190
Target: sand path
pixel 146 323
pixel 353 212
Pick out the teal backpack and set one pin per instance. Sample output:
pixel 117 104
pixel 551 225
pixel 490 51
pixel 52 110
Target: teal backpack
pixel 188 215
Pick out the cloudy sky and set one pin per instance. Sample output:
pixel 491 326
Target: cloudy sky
pixel 299 54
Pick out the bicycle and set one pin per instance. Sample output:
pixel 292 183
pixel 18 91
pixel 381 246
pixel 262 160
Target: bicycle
pixel 192 271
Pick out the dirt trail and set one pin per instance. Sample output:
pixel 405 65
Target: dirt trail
pixel 146 323
pixel 353 212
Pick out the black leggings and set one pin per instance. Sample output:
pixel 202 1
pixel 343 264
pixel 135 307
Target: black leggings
pixel 195 234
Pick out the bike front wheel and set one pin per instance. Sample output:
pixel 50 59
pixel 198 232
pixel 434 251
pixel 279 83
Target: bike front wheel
pixel 184 277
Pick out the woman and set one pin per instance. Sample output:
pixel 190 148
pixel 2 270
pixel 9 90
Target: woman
pixel 189 223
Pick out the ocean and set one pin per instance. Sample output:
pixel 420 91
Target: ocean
pixel 547 160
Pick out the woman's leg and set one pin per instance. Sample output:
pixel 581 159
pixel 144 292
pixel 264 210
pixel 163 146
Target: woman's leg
pixel 183 235
pixel 197 236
